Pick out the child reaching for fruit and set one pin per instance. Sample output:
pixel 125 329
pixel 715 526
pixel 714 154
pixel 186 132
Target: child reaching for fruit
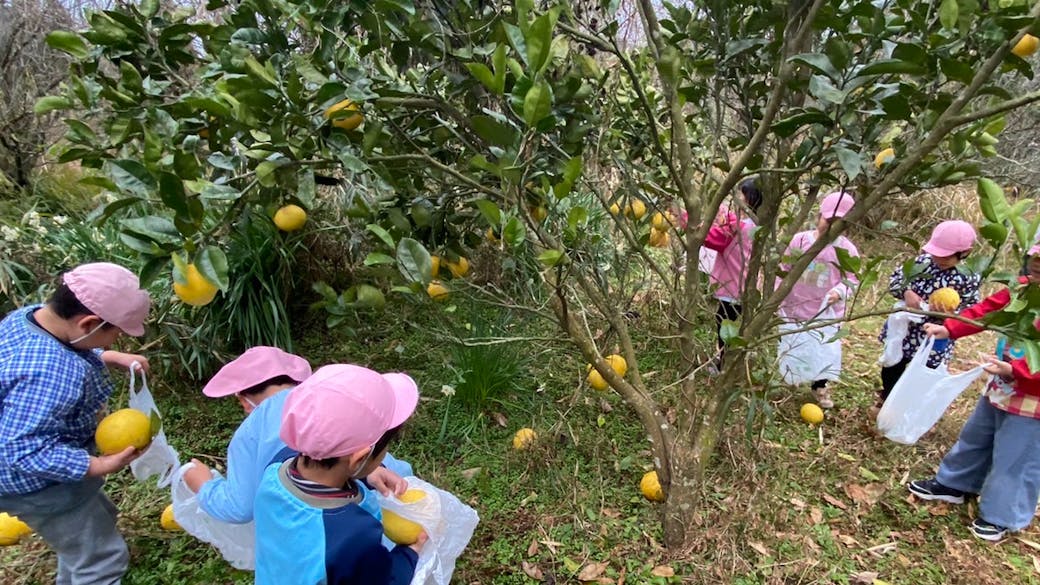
pixel 936 278
pixel 337 425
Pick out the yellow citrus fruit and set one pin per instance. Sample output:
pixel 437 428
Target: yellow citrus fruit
pixel 811 413
pixel 290 218
pixel 399 529
pixel 345 122
pixel 636 209
pixel 523 438
pixel 435 261
pixel 167 521
pixel 884 157
pixel 1026 46
pixel 596 380
pixel 197 291
pixel 651 487
pixel 437 291
pixel 944 300
pixel 618 364
pixel 491 235
pixel 615 208
pixel 538 213
pixel 460 268
pixel 124 428
pixel 662 221
pixel 658 238
pixel 12 529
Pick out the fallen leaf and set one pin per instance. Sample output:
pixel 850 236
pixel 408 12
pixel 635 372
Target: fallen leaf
pixel 868 494
pixel 816 515
pixel 663 571
pixel 532 570
pixel 591 571
pixel 759 548
pixel 848 540
pixel 835 502
pixel 1029 543
pixel 470 473
pixel 533 549
pixel 846 457
pixel 610 513
pixel 868 474
pixel 605 406
pixel 797 503
pixel 863 577
pixel 500 419
pixel 939 510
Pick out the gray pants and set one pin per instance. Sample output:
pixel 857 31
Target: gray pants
pixel 996 456
pixel 79 522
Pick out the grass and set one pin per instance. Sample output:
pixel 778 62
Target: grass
pixel 780 506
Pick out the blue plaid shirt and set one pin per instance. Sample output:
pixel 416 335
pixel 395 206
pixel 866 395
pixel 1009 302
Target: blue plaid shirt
pixel 50 396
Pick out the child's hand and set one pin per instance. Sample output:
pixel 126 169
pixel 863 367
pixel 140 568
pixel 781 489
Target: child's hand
pixel 125 360
pixel 197 475
pixel 833 297
pixel 419 542
pixel 936 331
pixel 912 299
pixel 387 482
pixel 998 367
pixel 103 465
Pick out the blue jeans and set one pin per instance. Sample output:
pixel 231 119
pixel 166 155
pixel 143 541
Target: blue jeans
pixel 79 522
pixel 997 457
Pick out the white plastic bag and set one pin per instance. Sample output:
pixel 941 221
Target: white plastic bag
pixel 235 542
pixel 920 397
pixel 449 524
pixel 898 325
pixel 706 260
pixel 807 356
pixel 159 458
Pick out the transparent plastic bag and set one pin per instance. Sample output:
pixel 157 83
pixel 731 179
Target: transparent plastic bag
pixel 920 397
pixel 449 524
pixel 807 356
pixel 159 459
pixel 235 542
pixel 898 325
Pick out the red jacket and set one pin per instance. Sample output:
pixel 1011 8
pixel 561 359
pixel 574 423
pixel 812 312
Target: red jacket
pixel 1025 382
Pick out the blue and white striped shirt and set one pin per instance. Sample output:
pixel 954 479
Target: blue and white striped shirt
pixel 50 395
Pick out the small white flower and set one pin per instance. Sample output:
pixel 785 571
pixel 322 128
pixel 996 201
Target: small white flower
pixel 448 390
pixel 10 234
pixel 60 219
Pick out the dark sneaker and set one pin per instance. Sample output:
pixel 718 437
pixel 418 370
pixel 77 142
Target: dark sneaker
pixel 987 531
pixel 929 489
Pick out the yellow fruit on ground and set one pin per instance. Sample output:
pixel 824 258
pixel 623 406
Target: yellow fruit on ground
pixel 399 529
pixel 811 413
pixel 636 209
pixel 437 291
pixel 124 428
pixel 651 487
pixel 460 268
pixel 345 122
pixel 662 221
pixel 944 300
pixel 436 265
pixel 658 238
pixel 884 157
pixel 596 380
pixel 196 291
pixel 12 529
pixel 618 364
pixel 615 209
pixel 1026 46
pixel 167 521
pixel 290 218
pixel 523 438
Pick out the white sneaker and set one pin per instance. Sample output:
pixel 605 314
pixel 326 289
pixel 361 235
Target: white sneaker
pixel 823 397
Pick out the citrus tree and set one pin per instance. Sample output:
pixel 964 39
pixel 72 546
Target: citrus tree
pixel 441 126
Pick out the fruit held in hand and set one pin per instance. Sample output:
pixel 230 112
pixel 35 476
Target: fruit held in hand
pixel 944 300
pixel 812 413
pixel 124 428
pixel 167 521
pixel 399 529
pixel 12 529
pixel 651 487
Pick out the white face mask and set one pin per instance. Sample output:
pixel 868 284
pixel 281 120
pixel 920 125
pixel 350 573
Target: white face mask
pixel 92 332
pixel 250 402
pixel 362 466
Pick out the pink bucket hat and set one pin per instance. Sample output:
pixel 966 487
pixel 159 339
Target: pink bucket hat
pixel 1034 251
pixel 112 293
pixel 256 365
pixel 950 237
pixel 343 408
pixel 836 204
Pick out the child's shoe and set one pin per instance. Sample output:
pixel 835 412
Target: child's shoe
pixel 986 531
pixel 823 398
pixel 932 490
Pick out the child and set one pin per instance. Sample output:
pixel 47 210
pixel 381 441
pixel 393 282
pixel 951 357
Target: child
pixel 730 237
pixel 260 379
pixel 337 424
pixel 53 383
pixel 823 282
pixel 936 268
pixel 995 455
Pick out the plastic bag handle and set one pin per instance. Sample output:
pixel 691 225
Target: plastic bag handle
pixel 134 367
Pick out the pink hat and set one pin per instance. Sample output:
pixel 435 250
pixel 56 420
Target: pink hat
pixel 836 204
pixel 112 293
pixel 343 408
pixel 950 237
pixel 255 366
pixel 1034 251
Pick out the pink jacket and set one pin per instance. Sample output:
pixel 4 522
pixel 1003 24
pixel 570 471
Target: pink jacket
pixel 732 241
pixel 821 277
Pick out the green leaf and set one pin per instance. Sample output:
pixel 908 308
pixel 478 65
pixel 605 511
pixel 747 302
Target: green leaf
pixel 484 75
pixel 994 233
pixel 260 72
pixel 818 62
pixel 132 176
pixel 51 103
pixel 377 258
pixel 789 125
pixel 514 232
pixel 382 234
pixel 265 172
pixel 822 88
pixel 851 161
pixel 892 66
pixel 156 228
pixel 551 257
pixel 1032 348
pixel 729 332
pixel 538 39
pixel 949 12
pixel 68 42
pixel 306 188
pixel 495 132
pixel 413 260
pixel 213 265
pixel 490 211
pixel 537 103
pixel 847 262
pixel 992 202
pixel 499 62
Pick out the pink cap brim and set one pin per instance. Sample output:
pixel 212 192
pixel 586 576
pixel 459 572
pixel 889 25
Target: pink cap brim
pixel 1034 251
pixel 406 397
pixel 938 251
pixel 256 365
